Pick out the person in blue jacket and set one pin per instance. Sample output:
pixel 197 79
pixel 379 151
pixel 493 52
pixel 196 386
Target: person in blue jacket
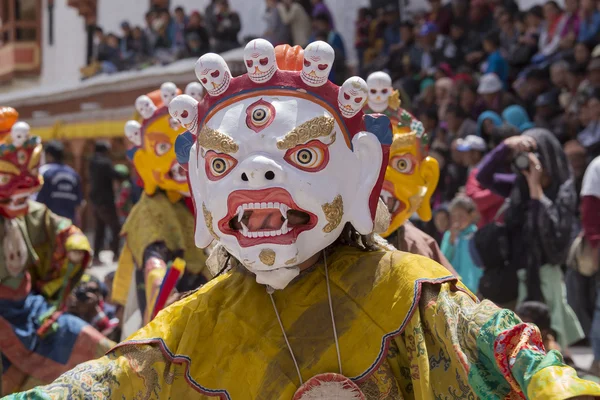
pixel 455 244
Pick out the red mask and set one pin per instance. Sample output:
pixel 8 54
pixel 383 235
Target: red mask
pixel 19 175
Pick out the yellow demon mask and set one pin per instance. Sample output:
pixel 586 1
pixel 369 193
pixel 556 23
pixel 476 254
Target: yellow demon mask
pixel 153 144
pixel 411 176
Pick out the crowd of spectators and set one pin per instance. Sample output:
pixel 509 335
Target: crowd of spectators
pixel 511 101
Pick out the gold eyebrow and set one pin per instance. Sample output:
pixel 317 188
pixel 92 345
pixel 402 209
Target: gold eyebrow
pixel 35 157
pixel 312 129
pixel 212 139
pixel 5 166
pixel 403 140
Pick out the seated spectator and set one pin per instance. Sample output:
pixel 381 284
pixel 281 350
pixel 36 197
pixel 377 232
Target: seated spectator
pixel 570 25
pixel 558 74
pixel 401 51
pixel 109 54
pixel 462 42
pixel 550 35
pixel 391 32
pixel 582 53
pixel 517 116
pixel 428 51
pixel 430 121
pixel 459 124
pixel 456 241
pixel 467 98
pixel 528 40
pixel 589 137
pixel 589 21
pixel 439 15
pixel 323 28
pixel 493 95
pixel 548 115
pixel 227 27
pixel 496 64
pixel 140 47
pixel 509 34
pixel 196 36
pixel 486 123
pixel 126 40
pixel 593 75
pixel 163 47
pixel 149 30
pixel 536 81
pixel 443 96
pixel 578 160
pixel 487 202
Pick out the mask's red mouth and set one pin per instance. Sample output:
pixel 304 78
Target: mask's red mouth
pixel 394 205
pixel 177 173
pixel 265 216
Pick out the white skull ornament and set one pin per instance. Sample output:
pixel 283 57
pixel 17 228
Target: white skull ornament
pixel 214 74
pixel 195 90
pixel 259 56
pixel 318 61
pixel 168 91
pixel 19 133
pixel 380 90
pixel 352 96
pixel 184 109
pixel 133 132
pixel 145 106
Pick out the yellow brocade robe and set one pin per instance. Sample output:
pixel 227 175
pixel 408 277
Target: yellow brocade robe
pixel 406 330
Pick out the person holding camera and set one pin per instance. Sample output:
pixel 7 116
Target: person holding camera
pixel 532 172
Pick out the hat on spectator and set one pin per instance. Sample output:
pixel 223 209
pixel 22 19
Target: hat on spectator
pixel 594 64
pixel 489 83
pixel 471 142
pixel 427 28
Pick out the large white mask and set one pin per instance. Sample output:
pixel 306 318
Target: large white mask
pixel 380 90
pixel 277 200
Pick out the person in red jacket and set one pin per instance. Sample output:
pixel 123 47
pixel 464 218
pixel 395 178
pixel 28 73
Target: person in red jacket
pixel 487 202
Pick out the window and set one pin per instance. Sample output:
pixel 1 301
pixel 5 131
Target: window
pixel 20 38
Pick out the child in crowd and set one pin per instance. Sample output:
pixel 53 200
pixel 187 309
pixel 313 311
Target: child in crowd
pixel 441 221
pixel 455 244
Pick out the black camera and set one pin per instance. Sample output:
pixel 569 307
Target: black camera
pixel 521 161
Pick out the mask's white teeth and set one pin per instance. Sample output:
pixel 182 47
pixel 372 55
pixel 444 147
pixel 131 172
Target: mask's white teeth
pixel 284 227
pixel 245 231
pixel 283 209
pixel 240 213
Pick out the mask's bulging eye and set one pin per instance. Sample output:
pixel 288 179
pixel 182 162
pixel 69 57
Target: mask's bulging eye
pixel 217 165
pixel 5 179
pixel 404 164
pixel 310 157
pixel 162 148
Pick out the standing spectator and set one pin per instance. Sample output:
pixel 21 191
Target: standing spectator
pixel 102 196
pixel 320 8
pixel 298 20
pixel 163 47
pixel 211 18
pixel 227 28
pixel 361 34
pixel 456 242
pixel 126 40
pixel 493 96
pixel 149 30
pixel 589 21
pixel 179 24
pixel 124 196
pixel 196 36
pixel 496 64
pixel 487 202
pixel 590 218
pixel 61 191
pixel 486 123
pixel 140 46
pixel 277 32
pixel 325 32
pixel 539 220
pixel 391 32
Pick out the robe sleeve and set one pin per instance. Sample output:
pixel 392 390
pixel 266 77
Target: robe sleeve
pixel 127 372
pixel 503 357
